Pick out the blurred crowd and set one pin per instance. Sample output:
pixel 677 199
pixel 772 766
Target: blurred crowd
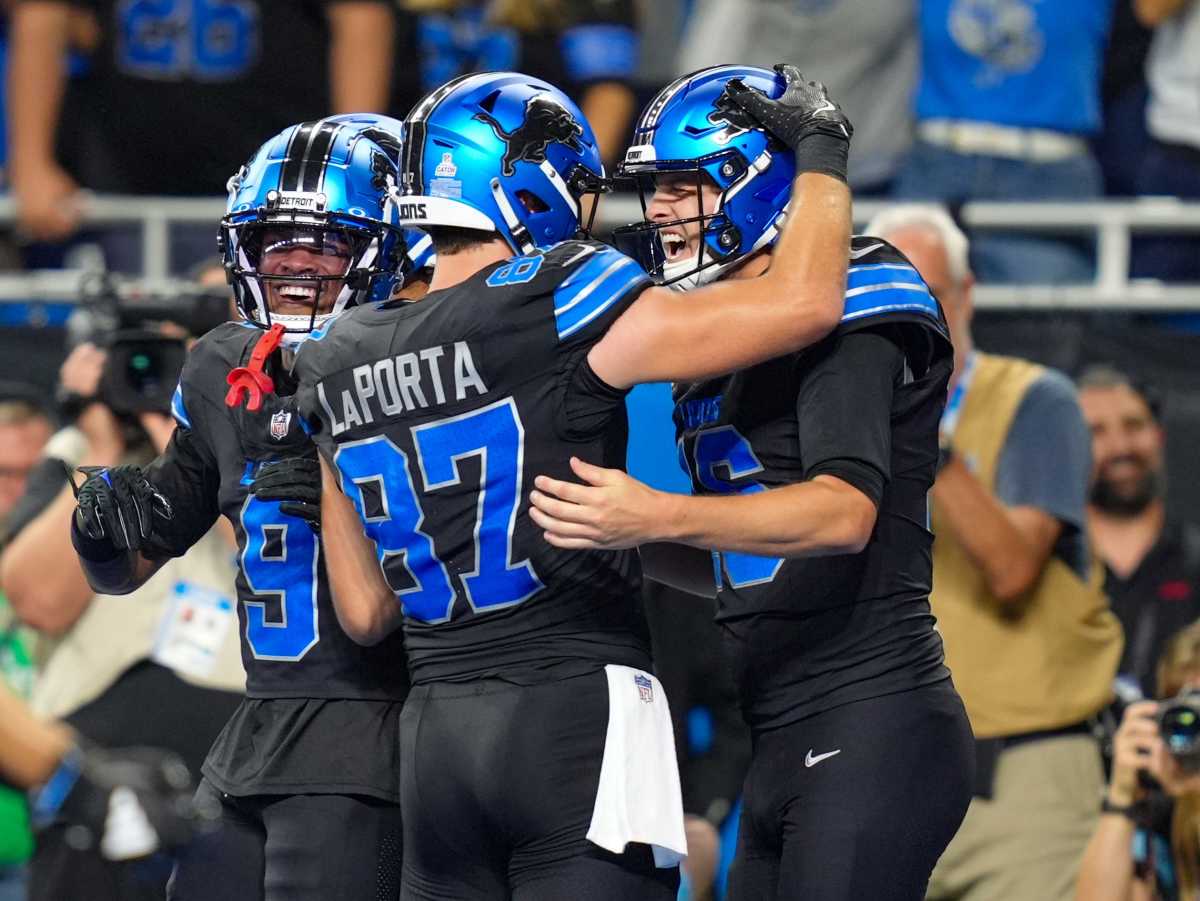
pixel 953 100
pixel 1066 594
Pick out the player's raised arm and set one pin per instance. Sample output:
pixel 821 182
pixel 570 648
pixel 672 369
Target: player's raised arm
pixel 366 606
pixel 796 301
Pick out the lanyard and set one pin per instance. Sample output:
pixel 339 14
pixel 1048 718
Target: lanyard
pixel 955 404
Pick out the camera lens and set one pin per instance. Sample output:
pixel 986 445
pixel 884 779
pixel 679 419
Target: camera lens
pixel 1179 724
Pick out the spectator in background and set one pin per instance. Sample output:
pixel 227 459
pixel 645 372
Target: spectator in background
pixel 1147 843
pixel 589 48
pixel 1008 94
pixel 158 667
pixel 24 430
pixel 865 53
pixel 168 91
pixel 1171 165
pixel 1121 143
pixel 1029 637
pixel 1153 565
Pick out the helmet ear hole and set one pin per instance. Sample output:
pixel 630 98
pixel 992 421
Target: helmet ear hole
pixel 531 202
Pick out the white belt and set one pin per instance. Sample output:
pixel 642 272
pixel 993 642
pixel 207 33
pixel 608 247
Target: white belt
pixel 985 139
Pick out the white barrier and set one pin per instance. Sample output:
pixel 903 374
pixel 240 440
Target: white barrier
pixel 1111 222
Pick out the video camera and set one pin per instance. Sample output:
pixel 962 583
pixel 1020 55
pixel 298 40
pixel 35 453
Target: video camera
pixel 1179 724
pixel 144 327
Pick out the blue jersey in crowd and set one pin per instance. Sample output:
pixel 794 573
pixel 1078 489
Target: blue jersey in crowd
pixel 1026 63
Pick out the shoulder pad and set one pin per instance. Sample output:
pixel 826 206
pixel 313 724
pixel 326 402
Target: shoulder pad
pixel 594 277
pixel 880 281
pixel 209 360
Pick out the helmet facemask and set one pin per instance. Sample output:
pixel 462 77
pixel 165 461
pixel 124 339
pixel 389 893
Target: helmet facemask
pixel 300 272
pixel 654 242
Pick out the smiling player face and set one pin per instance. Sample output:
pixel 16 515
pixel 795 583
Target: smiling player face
pixel 303 253
pixel 677 196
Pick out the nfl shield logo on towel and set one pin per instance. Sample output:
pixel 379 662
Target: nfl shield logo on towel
pixel 279 424
pixel 645 687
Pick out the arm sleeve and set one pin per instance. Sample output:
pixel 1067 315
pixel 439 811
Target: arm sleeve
pixel 844 410
pixel 1047 457
pixel 189 478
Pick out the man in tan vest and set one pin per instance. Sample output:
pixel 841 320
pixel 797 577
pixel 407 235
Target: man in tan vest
pixel 1030 639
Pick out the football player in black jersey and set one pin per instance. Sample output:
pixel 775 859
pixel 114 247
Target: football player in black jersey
pixel 536 747
pixel 811 472
pixel 306 773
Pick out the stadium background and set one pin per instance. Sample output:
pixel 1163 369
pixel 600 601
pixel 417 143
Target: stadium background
pixel 1122 312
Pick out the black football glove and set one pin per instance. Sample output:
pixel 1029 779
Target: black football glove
pixel 118 505
pixel 130 803
pixel 804 119
pixel 296 483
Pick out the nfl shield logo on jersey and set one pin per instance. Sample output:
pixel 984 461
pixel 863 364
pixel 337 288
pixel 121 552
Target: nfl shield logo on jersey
pixel 645 688
pixel 279 424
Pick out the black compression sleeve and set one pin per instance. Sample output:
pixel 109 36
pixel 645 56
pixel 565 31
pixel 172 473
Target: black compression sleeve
pixel 844 408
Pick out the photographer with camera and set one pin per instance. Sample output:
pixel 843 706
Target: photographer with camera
pixel 159 667
pixel 1147 843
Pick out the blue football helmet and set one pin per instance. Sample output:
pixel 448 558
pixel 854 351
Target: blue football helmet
pixel 499 152
pixel 327 187
pixel 388 133
pixel 692 127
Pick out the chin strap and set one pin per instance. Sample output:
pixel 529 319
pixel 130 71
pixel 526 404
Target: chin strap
pixel 250 379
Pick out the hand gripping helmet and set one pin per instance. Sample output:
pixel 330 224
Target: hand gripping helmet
pixel 691 127
pixel 326 187
pixel 499 152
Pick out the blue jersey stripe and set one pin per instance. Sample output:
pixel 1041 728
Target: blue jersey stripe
pixel 587 273
pixel 613 291
pixel 880 299
pixel 881 274
pixel 178 410
pixel 593 289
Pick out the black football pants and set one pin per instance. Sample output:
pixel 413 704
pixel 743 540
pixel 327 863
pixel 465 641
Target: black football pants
pixel 293 848
pixel 858 802
pixel 498 787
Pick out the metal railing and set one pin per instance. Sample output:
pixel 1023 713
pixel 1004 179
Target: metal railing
pixel 1112 223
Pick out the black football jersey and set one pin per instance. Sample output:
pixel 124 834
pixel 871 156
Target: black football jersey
pixel 807 634
pixel 292 644
pixel 438 414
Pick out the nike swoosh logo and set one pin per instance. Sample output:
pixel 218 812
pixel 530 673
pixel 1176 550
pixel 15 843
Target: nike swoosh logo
pixel 825 107
pixel 811 759
pixel 863 251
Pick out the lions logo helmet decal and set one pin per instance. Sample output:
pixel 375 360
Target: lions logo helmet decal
pixel 546 122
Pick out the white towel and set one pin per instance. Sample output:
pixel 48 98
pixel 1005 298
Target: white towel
pixel 639 799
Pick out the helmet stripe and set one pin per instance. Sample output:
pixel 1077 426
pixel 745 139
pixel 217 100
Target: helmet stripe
pixel 412 174
pixel 293 159
pixel 319 144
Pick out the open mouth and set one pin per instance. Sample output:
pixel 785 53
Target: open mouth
pixel 675 246
pixel 294 298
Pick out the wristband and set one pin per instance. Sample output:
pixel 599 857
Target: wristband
pixel 824 153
